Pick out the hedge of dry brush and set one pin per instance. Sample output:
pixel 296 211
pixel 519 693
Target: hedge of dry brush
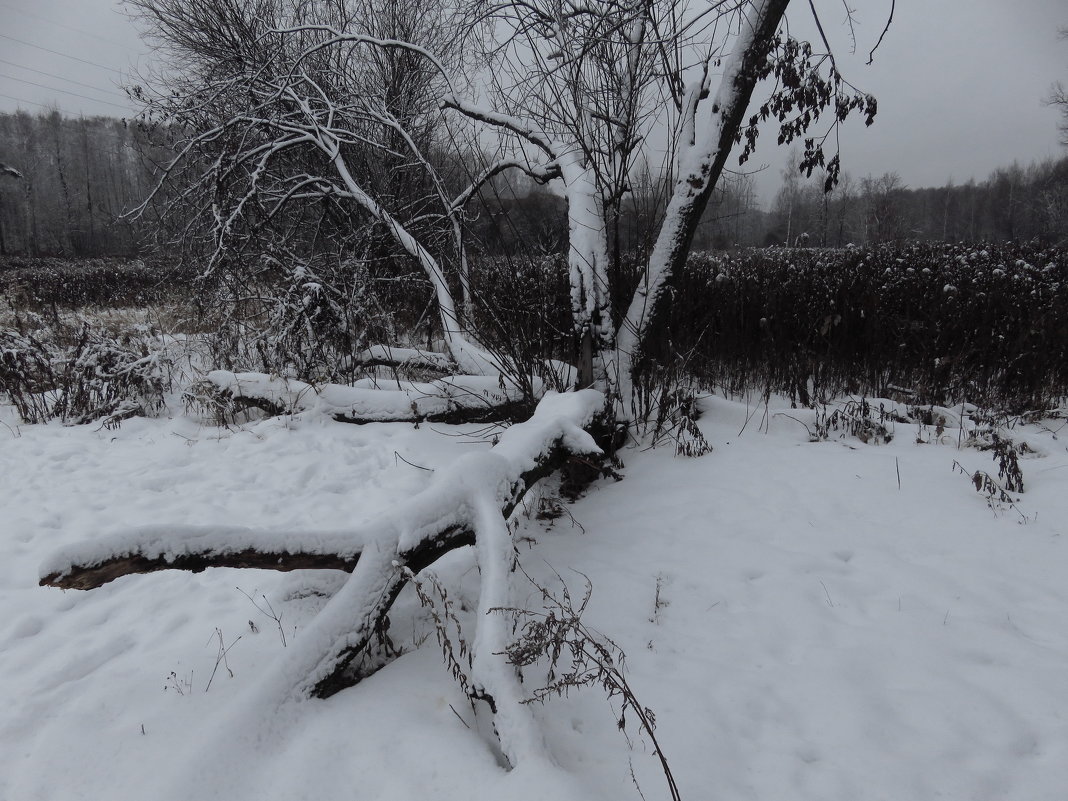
pixel 983 323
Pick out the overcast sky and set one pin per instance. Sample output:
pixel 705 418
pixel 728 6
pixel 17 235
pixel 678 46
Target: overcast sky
pixel 960 83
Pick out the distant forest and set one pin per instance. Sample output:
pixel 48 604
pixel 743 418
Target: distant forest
pixel 78 175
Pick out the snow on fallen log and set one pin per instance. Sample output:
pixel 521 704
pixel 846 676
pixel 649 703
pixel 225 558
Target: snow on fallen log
pixel 405 358
pixel 147 549
pixel 523 452
pixel 467 503
pixel 454 399
pixel 443 517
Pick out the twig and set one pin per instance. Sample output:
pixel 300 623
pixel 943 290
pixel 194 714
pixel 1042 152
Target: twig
pixel 458 715
pixel 271 614
pixel 871 55
pixel 828 594
pixel 416 466
pixel 221 657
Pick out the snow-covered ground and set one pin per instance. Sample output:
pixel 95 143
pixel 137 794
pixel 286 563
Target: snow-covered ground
pixel 821 632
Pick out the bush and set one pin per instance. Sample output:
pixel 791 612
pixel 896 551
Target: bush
pixel 935 322
pixel 78 375
pixel 47 283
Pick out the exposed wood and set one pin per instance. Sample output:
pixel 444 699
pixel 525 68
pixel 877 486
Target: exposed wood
pixel 88 577
pixel 488 413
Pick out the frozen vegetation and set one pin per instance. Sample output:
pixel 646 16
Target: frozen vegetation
pixel 821 619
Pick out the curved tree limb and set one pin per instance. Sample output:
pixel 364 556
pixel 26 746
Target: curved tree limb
pixel 452 400
pixel 451 513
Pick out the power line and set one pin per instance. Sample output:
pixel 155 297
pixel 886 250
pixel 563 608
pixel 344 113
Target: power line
pixel 57 53
pixel 61 25
pixel 31 102
pixel 64 91
pixel 60 77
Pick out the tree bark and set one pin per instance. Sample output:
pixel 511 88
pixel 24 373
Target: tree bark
pixel 88 577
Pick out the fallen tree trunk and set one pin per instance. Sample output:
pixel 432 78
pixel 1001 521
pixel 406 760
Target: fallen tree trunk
pixel 453 512
pixel 453 400
pixel 149 549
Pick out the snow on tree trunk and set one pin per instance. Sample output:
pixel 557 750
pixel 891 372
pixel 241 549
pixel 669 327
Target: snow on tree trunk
pixel 587 255
pixel 492 676
pixel 468 356
pixel 700 165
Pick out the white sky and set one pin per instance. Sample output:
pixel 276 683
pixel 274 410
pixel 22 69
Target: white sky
pixel 960 83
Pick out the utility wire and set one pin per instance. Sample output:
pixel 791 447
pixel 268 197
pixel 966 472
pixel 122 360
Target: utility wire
pixel 64 91
pixel 57 53
pixel 59 77
pixel 61 25
pixel 20 100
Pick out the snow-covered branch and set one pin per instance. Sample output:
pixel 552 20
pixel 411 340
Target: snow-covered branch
pixel 465 504
pixel 539 172
pixel 454 399
pixel 525 129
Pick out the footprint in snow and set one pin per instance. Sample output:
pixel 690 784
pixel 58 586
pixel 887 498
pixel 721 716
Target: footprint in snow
pixel 27 627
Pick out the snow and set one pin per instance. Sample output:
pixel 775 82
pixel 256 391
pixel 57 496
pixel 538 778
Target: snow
pixel 373 399
pixel 407 357
pixel 168 542
pixel 821 633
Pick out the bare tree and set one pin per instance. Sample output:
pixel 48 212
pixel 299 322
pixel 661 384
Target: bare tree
pixel 1058 97
pixel 577 92
pixel 285 107
pixel 580 90
pixel 295 139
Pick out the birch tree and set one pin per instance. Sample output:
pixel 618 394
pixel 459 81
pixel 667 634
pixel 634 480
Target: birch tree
pixel 577 92
pixel 276 113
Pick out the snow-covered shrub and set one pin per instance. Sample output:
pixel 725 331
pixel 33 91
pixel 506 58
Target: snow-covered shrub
pixel 80 374
pixel 25 372
pixel 555 639
pixel 521 308
pixel 989 434
pixel 309 319
pixel 664 406
pixel 856 419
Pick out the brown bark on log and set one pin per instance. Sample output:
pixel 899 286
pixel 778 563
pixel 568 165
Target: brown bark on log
pixel 89 577
pixel 511 411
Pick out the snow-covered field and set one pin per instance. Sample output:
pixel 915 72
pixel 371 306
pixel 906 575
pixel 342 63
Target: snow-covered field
pixel 821 632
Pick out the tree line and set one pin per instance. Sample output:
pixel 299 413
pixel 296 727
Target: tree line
pixel 77 176
pixel 69 181
pixel 1013 203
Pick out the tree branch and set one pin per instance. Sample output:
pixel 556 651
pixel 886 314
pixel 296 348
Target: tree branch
pixel 520 128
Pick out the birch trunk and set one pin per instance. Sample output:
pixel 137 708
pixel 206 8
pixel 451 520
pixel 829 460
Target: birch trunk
pixel 700 166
